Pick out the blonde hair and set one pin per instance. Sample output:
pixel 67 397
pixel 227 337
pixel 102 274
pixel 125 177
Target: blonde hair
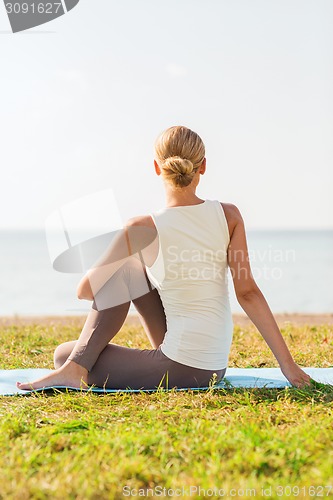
pixel 179 153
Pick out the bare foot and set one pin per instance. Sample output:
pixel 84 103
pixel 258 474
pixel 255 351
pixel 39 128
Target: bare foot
pixel 70 374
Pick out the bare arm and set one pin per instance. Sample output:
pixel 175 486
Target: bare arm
pixel 254 303
pixel 104 268
pixel 83 290
pixel 136 239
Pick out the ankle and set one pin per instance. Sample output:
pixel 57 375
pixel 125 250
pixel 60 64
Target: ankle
pixel 75 367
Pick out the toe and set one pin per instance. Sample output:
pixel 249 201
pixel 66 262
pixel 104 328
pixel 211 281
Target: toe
pixel 22 386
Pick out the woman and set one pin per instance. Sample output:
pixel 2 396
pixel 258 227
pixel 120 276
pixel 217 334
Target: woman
pixel 185 250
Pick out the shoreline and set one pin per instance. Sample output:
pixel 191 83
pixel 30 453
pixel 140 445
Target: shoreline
pixel 133 319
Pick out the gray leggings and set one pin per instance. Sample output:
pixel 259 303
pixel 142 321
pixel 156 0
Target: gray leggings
pixel 117 367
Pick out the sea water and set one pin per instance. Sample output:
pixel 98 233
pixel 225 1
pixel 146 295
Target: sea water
pixel 293 268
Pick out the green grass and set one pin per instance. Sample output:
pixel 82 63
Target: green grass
pixel 86 446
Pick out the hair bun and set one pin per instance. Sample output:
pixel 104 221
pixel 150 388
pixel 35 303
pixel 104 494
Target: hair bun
pixel 180 171
pixel 179 153
pixel 178 165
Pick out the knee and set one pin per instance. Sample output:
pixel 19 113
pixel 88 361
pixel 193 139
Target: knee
pixel 61 353
pixel 132 269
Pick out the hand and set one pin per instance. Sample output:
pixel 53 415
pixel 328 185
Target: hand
pixel 296 376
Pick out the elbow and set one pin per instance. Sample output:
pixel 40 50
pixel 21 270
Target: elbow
pixel 79 293
pixel 84 293
pixel 84 296
pixel 248 294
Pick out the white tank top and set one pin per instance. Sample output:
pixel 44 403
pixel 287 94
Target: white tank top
pixel 190 274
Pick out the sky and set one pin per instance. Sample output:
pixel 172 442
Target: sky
pixel 84 97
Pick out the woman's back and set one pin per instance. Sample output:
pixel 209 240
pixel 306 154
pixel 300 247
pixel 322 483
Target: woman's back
pixel 190 273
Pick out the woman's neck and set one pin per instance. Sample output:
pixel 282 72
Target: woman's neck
pixel 181 197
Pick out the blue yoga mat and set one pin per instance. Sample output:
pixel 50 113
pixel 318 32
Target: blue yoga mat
pixel 235 377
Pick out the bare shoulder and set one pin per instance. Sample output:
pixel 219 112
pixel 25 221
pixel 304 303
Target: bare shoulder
pixel 232 214
pixel 141 220
pixel 231 211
